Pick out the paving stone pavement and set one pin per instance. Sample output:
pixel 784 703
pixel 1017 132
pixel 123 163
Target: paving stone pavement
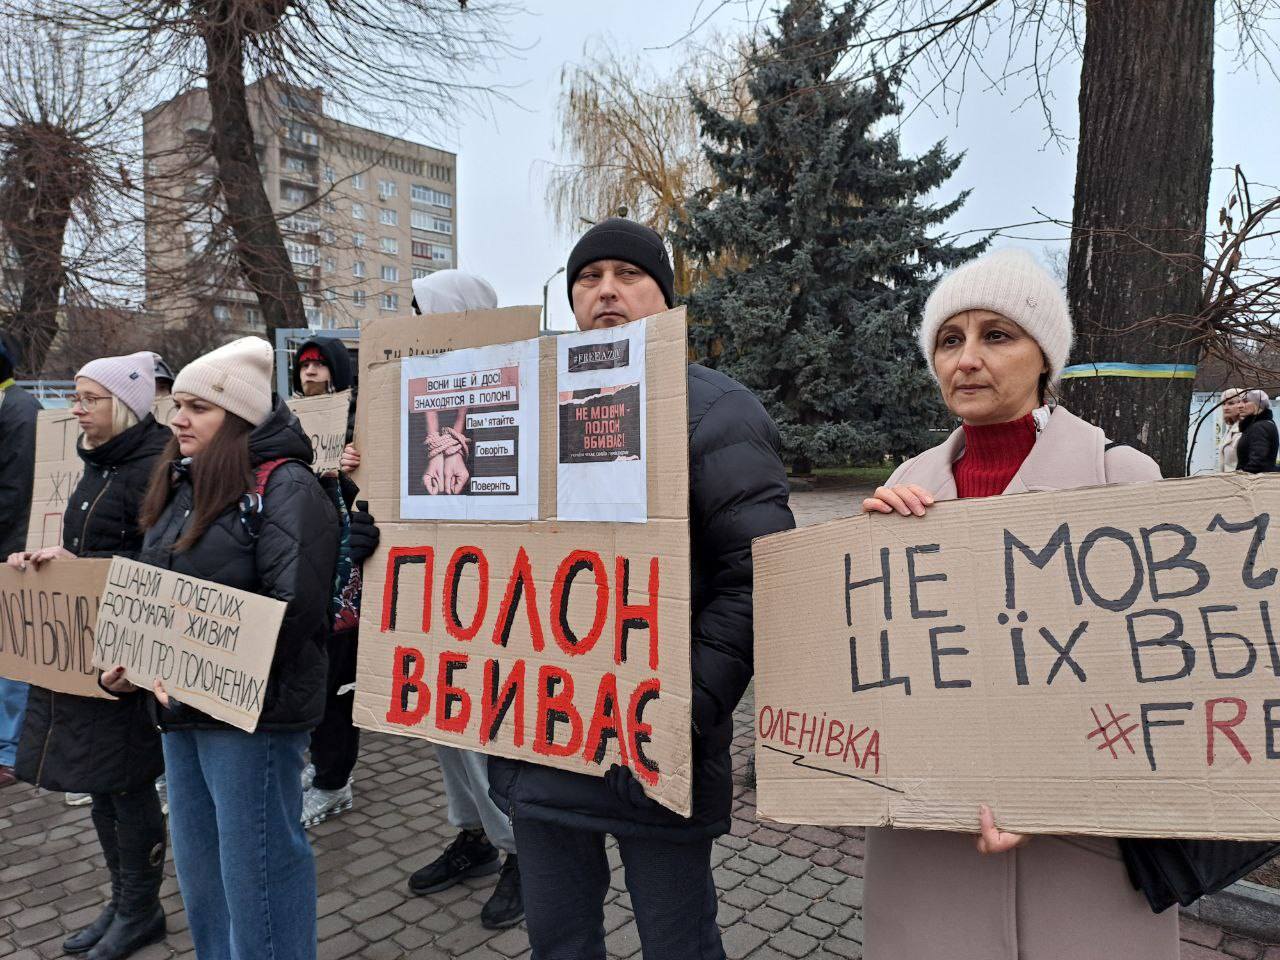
pixel 785 892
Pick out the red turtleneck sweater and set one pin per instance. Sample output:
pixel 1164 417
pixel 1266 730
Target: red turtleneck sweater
pixel 992 455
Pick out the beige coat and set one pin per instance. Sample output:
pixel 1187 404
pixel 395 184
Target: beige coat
pixel 931 895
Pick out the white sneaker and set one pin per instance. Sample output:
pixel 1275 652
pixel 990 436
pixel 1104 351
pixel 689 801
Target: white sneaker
pixel 78 799
pixel 318 805
pixel 308 776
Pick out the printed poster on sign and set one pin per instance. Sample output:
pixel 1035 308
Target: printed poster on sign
pixel 469 434
pixel 600 470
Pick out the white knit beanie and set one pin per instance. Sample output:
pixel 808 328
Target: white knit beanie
pixel 131 379
pixel 236 377
pixel 1009 282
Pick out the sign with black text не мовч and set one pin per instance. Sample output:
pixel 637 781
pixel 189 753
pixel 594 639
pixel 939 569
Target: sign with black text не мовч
pixel 1100 661
pixel 210 645
pixel 563 644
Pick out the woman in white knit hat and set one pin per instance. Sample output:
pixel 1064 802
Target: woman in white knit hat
pixel 996 334
pixel 108 749
pixel 235 502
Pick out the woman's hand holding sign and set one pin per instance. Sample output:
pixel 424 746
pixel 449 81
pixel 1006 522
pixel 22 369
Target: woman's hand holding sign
pixel 113 681
pixel 907 499
pixel 994 840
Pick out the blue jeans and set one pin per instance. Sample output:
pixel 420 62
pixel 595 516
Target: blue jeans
pixel 13 707
pixel 245 868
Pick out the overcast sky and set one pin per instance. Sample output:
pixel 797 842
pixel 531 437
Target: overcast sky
pixel 505 230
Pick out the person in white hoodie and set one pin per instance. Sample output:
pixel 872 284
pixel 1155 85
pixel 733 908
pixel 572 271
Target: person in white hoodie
pixel 484 831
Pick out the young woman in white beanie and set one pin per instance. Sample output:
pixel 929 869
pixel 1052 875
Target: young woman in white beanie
pixel 244 865
pixel 996 334
pixel 108 749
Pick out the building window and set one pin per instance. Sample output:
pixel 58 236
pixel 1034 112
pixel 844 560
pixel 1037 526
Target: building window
pixel 253 316
pixel 301 133
pixel 421 193
pixel 329 175
pixel 422 249
pixel 328 206
pixel 390 274
pixel 357 269
pixel 221 312
pixel 390 301
pixel 387 188
pixel 331 295
pixel 420 272
pixel 294 195
pixel 388 217
pixel 295 164
pixel 389 245
pixel 357 298
pixel 357 240
pixel 302 254
pixel 435 252
pixel 314 319
pixel 330 264
pixel 328 236
pixel 357 181
pixel 357 211
pixel 441 225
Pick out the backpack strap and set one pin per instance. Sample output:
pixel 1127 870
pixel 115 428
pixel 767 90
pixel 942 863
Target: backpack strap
pixel 251 503
pixel 1111 445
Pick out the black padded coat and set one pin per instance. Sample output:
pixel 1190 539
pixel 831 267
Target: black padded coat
pixel 291 558
pixel 1258 444
pixel 18 411
pixel 84 744
pixel 737 491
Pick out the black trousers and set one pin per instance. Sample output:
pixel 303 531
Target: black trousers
pixel 564 874
pixel 131 830
pixel 335 743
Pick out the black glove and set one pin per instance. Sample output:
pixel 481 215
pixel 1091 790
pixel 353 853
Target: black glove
pixel 627 788
pixel 363 535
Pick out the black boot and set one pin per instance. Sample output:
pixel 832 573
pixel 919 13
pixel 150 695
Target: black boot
pixel 139 918
pixel 470 855
pixel 82 941
pixel 505 907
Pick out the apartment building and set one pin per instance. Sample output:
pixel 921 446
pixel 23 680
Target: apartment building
pixel 362 212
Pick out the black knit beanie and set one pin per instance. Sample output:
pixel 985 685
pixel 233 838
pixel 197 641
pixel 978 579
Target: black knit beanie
pixel 620 239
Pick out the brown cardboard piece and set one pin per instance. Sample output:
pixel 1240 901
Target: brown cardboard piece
pixel 405 653
pixel 57 471
pixel 47 619
pixel 210 645
pixel 324 420
pixel 1101 661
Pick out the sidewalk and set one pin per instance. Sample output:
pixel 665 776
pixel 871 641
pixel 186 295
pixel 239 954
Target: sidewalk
pixel 785 892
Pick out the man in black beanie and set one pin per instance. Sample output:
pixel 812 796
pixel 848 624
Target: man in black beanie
pixel 618 272
pixel 17 469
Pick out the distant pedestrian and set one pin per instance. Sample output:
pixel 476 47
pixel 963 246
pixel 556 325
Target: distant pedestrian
pixel 1231 399
pixel 1259 441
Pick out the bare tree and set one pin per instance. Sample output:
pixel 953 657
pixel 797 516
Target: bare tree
pixel 59 209
pixel 366 54
pixel 631 141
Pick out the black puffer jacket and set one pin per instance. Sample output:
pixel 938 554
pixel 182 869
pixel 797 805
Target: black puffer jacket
pixel 291 559
pixel 1258 444
pixel 338 360
pixel 80 743
pixel 737 491
pixel 18 411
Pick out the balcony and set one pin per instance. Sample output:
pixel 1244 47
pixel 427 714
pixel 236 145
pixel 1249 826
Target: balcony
pixel 294 145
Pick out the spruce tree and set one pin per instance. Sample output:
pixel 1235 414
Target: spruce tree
pixel 822 237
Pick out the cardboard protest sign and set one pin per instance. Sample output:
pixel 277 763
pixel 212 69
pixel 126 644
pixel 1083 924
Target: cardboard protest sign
pixel 47 619
pixel 1102 661
pixel 560 644
pixel 58 469
pixel 210 645
pixel 600 452
pixel 469 434
pixel 383 342
pixel 324 420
